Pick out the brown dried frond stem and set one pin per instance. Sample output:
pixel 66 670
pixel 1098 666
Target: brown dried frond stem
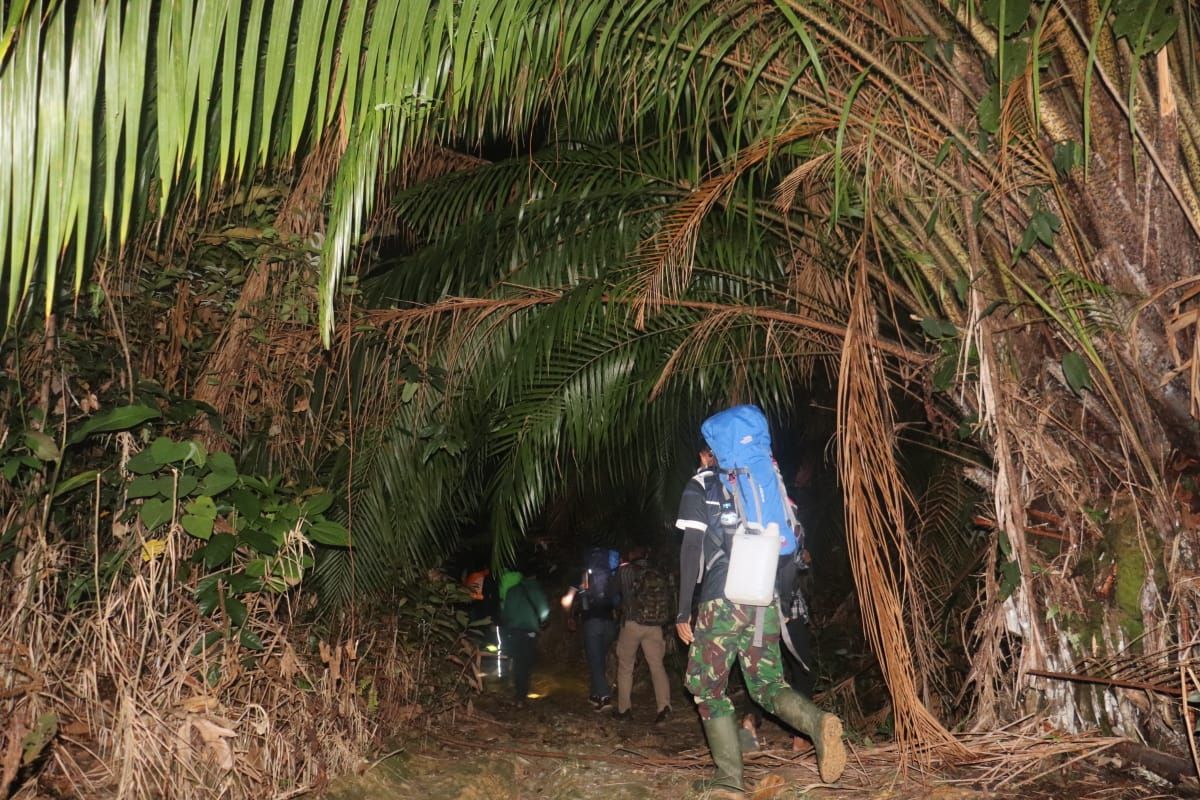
pixel 875 526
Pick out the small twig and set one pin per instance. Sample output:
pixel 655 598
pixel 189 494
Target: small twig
pixel 373 764
pixel 1046 533
pixel 295 792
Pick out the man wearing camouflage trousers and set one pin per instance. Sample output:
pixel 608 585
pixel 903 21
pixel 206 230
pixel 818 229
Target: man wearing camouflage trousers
pixel 725 630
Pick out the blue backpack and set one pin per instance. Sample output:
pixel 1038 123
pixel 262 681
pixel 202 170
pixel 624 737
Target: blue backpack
pixel 600 589
pixel 741 441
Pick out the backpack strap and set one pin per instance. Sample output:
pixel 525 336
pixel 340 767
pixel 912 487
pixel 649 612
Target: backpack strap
pixel 740 473
pixel 714 533
pixel 760 619
pixel 786 636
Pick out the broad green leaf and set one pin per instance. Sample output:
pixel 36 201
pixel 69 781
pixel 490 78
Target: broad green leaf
pixel 1016 54
pixel 250 640
pixel 200 527
pixel 202 506
pixel 248 504
pixel 143 463
pixel 42 446
pixel 197 454
pixel 185 484
pixel 222 464
pixel 216 482
pixel 241 583
pixel 1010 578
pixel 167 451
pixel 165 484
pixel 1007 16
pixel 207 595
pixel 278 529
pixel 317 504
pixel 1067 156
pixel 236 610
pixel 213 676
pixel 1076 371
pixel 35 741
pixel 330 533
pixel 122 418
pixel 155 512
pixel 988 111
pixel 218 550
pixel 75 481
pixel 938 328
pixel 260 541
pixel 943 378
pixel 9 470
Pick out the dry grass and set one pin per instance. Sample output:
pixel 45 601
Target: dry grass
pixel 136 715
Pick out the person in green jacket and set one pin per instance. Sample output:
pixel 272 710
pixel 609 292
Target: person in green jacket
pixel 523 613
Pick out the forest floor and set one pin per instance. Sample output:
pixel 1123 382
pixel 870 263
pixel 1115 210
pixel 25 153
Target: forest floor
pixel 557 746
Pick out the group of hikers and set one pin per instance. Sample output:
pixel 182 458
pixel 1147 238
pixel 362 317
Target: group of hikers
pixel 740 551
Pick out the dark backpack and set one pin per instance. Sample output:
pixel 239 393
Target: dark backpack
pixel 600 589
pixel 651 602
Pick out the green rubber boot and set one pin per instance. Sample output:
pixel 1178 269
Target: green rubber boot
pixel 825 730
pixel 726 782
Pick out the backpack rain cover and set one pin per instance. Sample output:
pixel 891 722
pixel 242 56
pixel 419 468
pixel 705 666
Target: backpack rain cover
pixel 740 439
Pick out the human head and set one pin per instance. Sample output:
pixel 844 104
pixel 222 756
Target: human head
pixel 707 459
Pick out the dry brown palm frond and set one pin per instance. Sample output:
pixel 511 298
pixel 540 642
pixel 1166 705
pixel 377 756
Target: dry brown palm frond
pixel 665 262
pixel 876 532
pixel 789 187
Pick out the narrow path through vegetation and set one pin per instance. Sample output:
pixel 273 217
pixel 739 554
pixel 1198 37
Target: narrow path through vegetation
pixel 556 746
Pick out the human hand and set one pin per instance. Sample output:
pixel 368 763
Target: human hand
pixel 684 631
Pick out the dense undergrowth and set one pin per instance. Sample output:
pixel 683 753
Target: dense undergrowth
pixel 158 642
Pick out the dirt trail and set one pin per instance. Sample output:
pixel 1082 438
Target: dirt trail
pixel 557 747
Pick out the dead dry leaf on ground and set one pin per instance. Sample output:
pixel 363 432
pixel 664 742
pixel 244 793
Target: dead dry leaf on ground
pixel 769 787
pixel 216 738
pixel 200 704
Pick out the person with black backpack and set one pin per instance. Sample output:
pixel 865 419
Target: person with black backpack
pixel 645 608
pixel 595 601
pixel 725 630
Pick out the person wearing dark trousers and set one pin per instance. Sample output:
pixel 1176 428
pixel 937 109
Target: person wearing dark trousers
pixel 595 603
pixel 523 613
pixel 521 647
pixel 599 633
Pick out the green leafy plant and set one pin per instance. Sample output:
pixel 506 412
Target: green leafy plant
pixel 258 534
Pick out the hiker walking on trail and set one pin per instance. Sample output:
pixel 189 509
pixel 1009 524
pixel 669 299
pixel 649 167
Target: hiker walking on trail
pixel 595 602
pixel 725 630
pixel 523 613
pixel 645 609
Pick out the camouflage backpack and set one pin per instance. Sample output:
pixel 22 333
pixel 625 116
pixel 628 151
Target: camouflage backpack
pixel 651 598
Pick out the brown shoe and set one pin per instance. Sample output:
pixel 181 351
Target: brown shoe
pixel 831 752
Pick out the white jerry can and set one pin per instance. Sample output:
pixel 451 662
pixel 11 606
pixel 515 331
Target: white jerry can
pixel 753 559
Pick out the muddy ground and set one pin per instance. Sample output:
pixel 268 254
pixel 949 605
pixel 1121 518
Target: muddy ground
pixel 557 746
